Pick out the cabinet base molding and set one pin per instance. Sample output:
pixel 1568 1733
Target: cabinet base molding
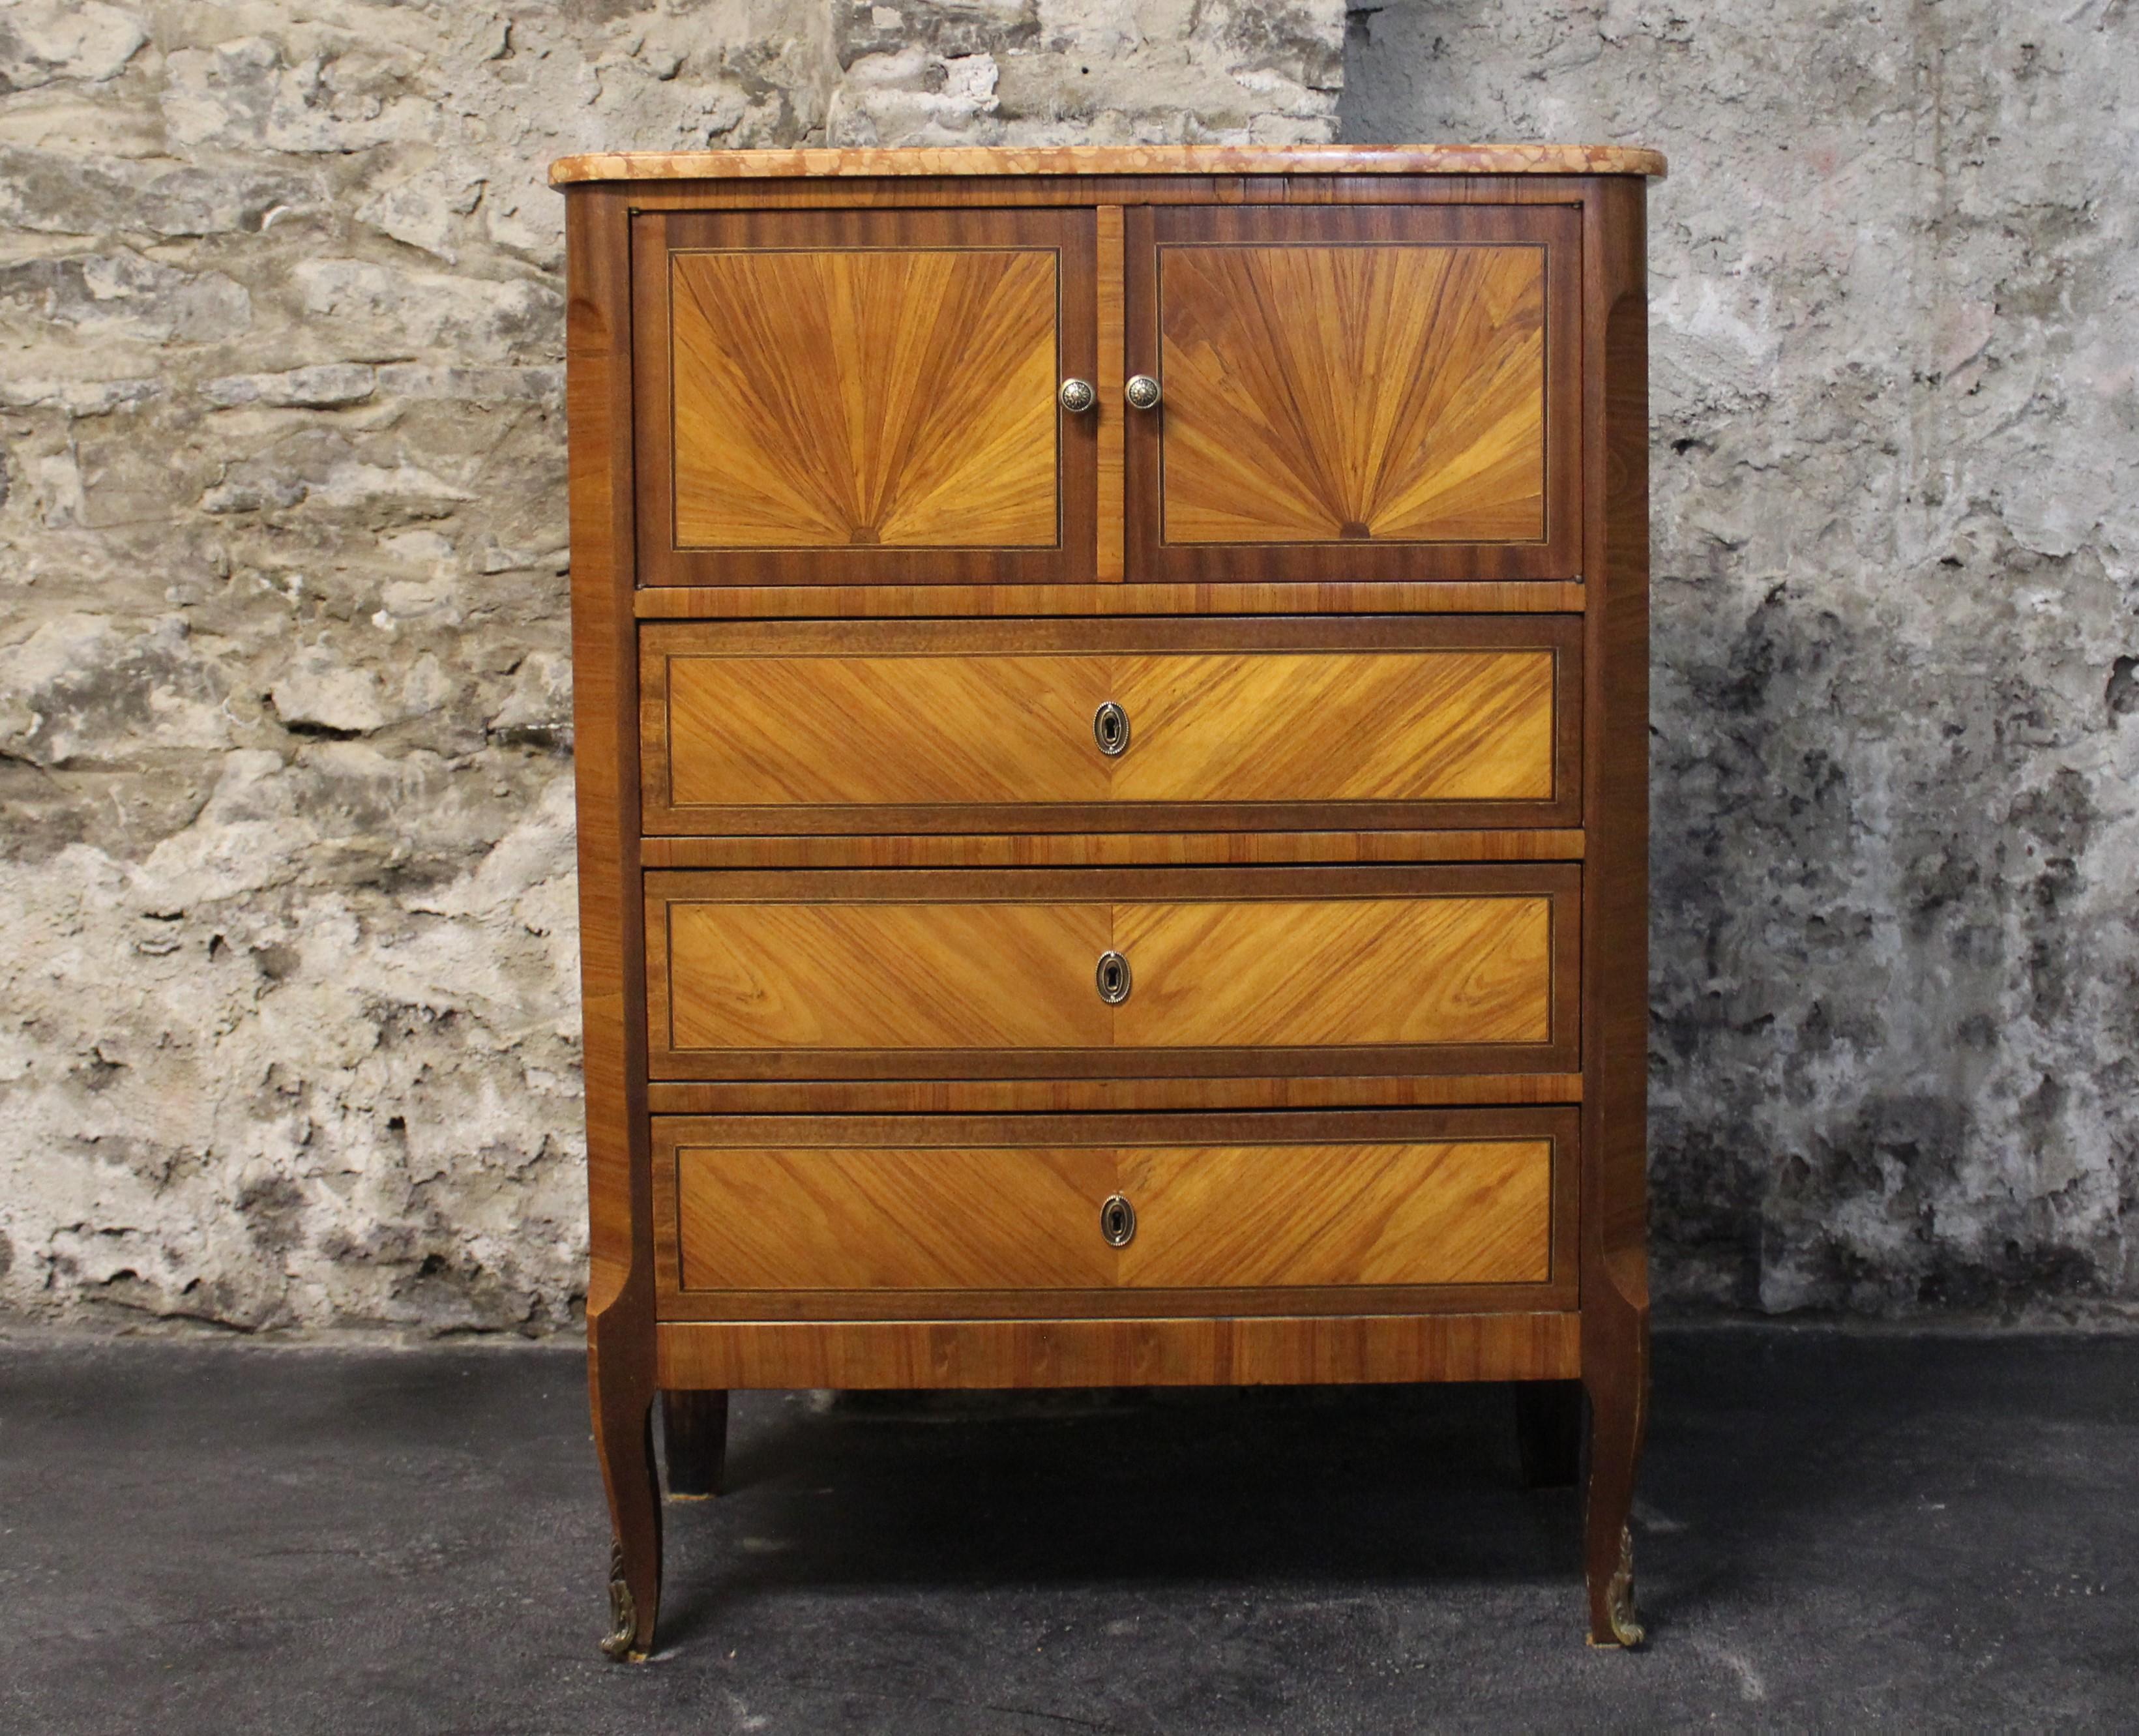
pixel 1261 1351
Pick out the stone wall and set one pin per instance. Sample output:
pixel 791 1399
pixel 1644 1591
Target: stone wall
pixel 287 1025
pixel 287 1008
pixel 1895 288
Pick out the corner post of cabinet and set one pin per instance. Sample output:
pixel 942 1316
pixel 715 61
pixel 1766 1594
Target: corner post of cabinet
pixel 620 1346
pixel 1615 1284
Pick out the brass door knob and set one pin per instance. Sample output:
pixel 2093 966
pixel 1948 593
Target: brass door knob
pixel 1077 396
pixel 1142 392
pixel 1110 728
pixel 1117 1221
pixel 1112 977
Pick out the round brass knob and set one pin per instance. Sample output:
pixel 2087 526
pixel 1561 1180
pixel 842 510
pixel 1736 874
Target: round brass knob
pixel 1112 977
pixel 1142 392
pixel 1077 396
pixel 1117 1221
pixel 1110 728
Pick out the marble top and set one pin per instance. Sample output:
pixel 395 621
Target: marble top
pixel 1115 160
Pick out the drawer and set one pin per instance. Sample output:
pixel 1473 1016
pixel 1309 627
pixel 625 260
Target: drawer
pixel 974 974
pixel 1179 1203
pixel 757 727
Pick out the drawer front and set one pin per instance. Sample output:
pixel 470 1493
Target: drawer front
pixel 944 727
pixel 1212 1204
pixel 976 974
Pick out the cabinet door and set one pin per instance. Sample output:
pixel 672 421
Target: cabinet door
pixel 863 396
pixel 1377 392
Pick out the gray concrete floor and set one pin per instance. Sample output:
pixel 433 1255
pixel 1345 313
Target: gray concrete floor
pixel 1840 1532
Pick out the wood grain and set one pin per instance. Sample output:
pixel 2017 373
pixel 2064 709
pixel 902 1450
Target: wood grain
pixel 940 975
pixel 1110 159
pixel 1337 971
pixel 1027 1217
pixel 901 398
pixel 836 397
pixel 1238 725
pixel 1419 726
pixel 1362 392
pixel 1327 726
pixel 1112 342
pixel 1615 1275
pixel 783 732
pixel 966 972
pixel 601 483
pixel 1248 1351
pixel 1391 393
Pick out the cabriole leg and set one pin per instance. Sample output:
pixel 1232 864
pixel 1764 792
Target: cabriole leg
pixel 624 1439
pixel 1618 1393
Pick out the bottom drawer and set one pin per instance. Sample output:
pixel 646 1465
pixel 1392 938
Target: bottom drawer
pixel 1102 1205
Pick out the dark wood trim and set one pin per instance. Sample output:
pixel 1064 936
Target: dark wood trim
pixel 1071 235
pixel 1152 560
pixel 660 641
pixel 1024 1097
pixel 1036 602
pixel 1111 849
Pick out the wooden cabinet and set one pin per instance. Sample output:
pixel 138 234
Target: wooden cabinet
pixel 1111 707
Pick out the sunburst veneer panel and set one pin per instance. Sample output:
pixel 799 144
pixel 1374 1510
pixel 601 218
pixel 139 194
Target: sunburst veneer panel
pixel 1353 393
pixel 897 398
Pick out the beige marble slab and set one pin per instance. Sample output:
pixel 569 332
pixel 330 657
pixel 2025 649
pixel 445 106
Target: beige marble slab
pixel 1115 160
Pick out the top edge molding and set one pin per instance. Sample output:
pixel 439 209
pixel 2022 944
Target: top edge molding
pixel 1112 160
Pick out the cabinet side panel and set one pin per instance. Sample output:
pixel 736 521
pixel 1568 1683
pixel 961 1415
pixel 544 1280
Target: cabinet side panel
pixel 620 1348
pixel 1615 1285
pixel 612 949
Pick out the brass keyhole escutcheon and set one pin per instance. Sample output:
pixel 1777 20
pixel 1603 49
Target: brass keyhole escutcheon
pixel 1112 977
pixel 1110 728
pixel 1117 1221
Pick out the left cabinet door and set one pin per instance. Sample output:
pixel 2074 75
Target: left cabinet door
pixel 848 396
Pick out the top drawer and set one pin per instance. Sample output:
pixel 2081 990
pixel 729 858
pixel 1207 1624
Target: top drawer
pixel 1109 726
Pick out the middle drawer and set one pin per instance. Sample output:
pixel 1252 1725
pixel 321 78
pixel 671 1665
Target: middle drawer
pixel 1164 725
pixel 1070 973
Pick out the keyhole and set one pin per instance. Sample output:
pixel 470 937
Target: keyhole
pixel 1112 977
pixel 1117 1221
pixel 1110 728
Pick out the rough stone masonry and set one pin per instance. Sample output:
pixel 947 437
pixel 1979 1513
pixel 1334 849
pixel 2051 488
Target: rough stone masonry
pixel 288 1012
pixel 1894 284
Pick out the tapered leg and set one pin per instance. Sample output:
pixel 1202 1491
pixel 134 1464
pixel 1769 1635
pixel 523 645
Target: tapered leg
pixel 1618 1386
pixel 1549 1432
pixel 623 1393
pixel 694 1435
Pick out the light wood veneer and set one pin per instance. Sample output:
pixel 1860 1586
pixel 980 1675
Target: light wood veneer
pixel 1369 580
